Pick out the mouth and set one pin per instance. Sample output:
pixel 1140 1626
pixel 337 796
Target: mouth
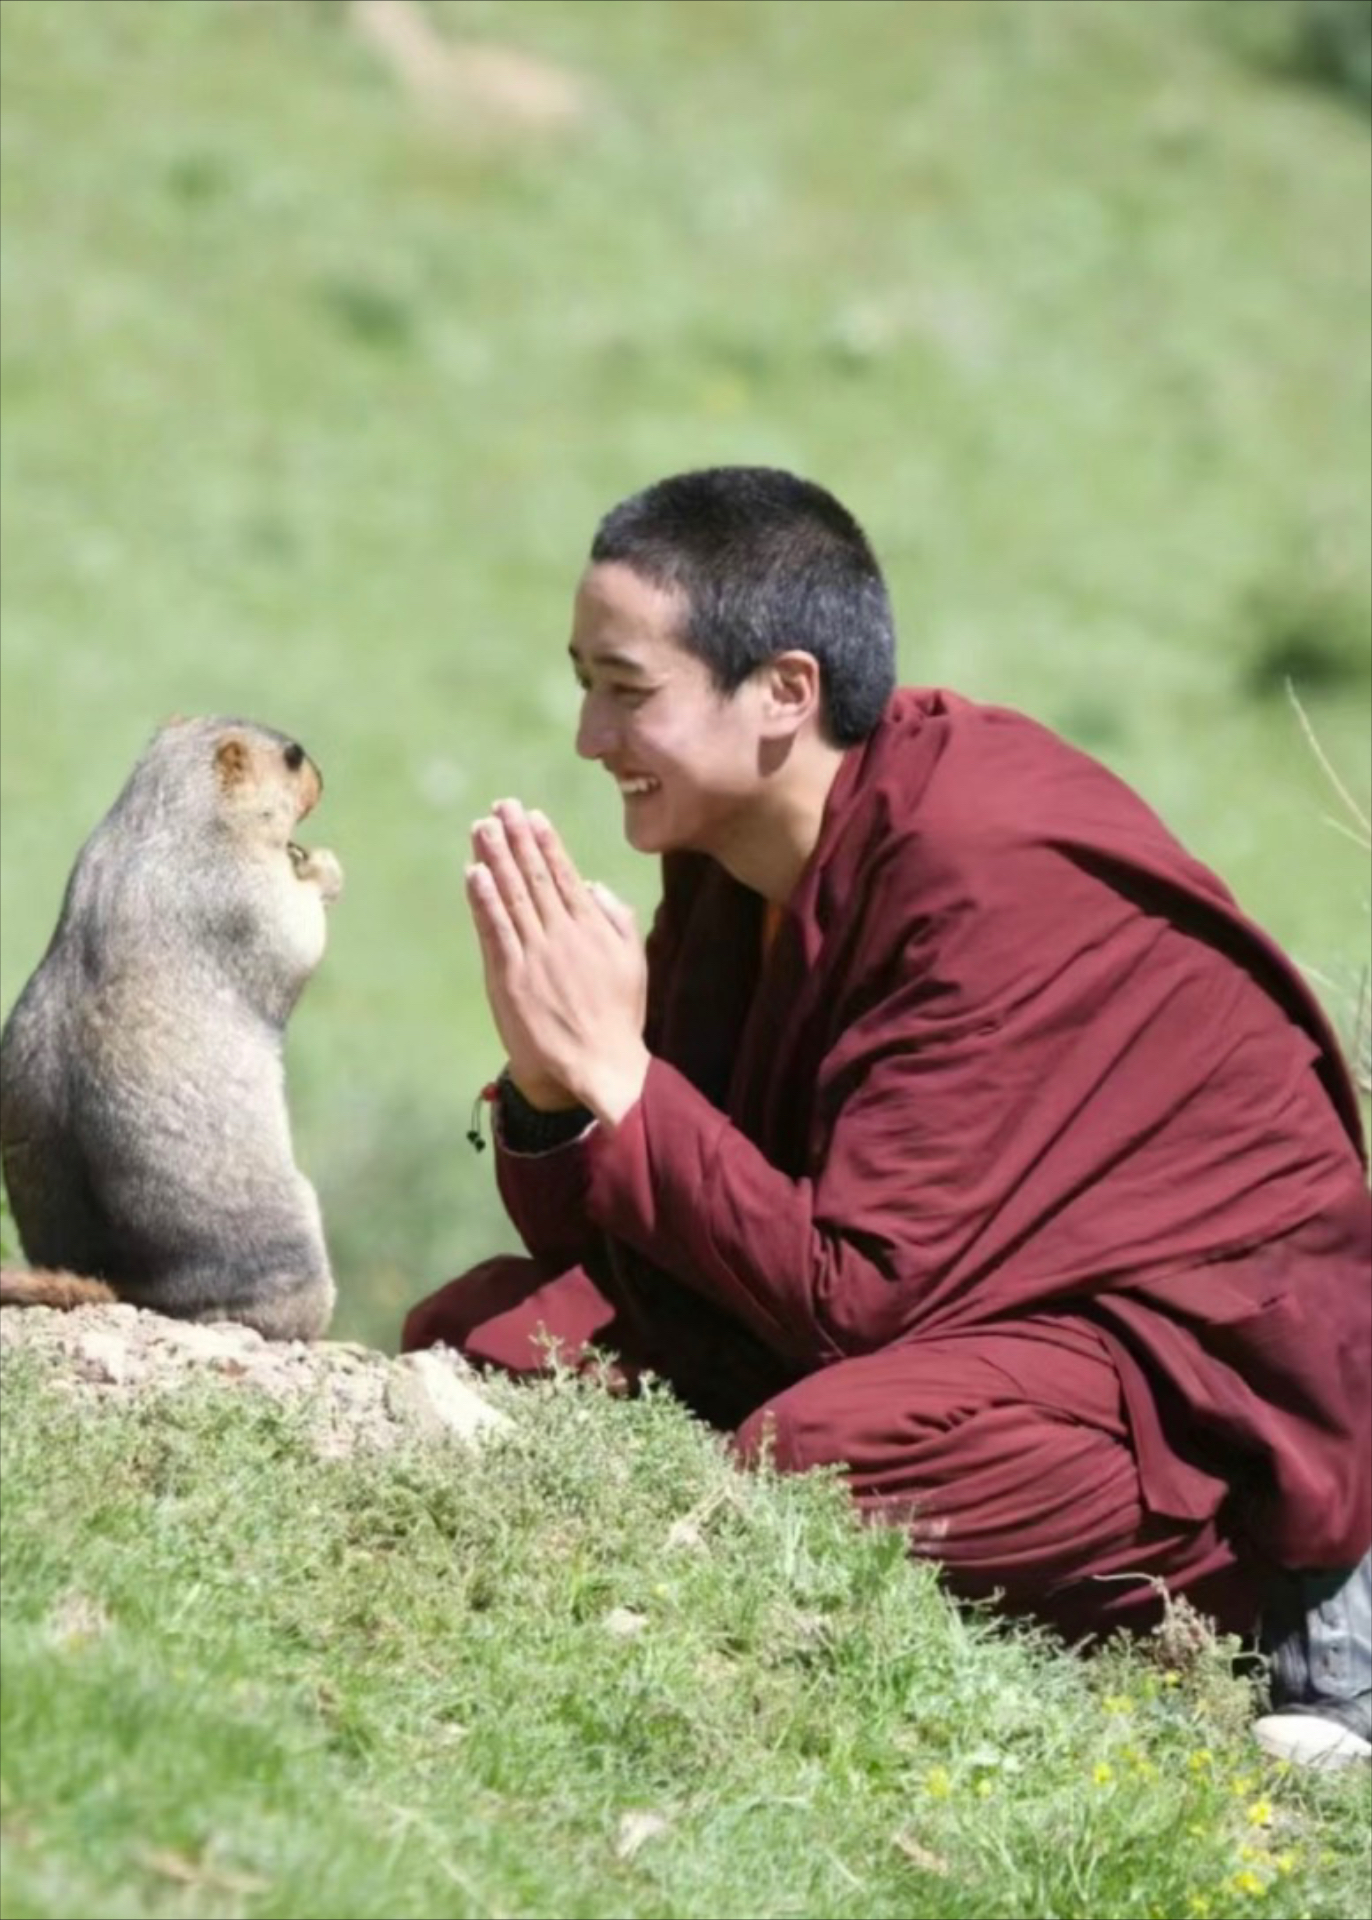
pixel 637 786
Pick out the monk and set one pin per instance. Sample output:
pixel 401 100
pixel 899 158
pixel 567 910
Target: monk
pixel 955 1125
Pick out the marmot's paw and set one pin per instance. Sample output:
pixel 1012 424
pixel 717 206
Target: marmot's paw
pixel 321 868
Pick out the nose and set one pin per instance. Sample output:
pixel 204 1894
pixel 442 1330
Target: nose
pixel 311 779
pixel 595 730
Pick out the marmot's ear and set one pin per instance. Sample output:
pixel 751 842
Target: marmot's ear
pixel 232 761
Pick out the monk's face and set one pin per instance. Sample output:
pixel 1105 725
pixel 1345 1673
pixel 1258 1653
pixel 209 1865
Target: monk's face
pixel 684 756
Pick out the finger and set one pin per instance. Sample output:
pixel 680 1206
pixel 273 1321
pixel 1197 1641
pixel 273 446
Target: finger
pixel 527 853
pixel 500 942
pixel 492 848
pixel 568 881
pixel 620 915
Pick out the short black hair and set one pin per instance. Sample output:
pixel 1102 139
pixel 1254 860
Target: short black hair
pixel 765 561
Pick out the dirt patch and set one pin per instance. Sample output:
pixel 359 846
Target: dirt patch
pixel 358 1398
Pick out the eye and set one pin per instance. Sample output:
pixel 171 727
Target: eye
pixel 630 696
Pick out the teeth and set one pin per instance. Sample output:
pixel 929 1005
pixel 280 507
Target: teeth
pixel 644 784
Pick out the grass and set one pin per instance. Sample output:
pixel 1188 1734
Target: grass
pixel 311 404
pixel 240 1680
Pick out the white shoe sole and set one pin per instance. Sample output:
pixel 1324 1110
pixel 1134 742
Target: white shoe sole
pixel 1308 1741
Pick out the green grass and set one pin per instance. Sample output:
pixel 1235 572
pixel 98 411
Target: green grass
pixel 311 407
pixel 238 1679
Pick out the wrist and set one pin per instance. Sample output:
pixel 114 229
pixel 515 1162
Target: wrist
pixel 524 1128
pixel 619 1088
pixel 544 1096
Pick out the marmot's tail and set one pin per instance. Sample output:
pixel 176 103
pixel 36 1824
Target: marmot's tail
pixel 45 1288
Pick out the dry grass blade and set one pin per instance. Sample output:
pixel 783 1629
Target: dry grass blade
pixel 1364 834
pixel 1360 1037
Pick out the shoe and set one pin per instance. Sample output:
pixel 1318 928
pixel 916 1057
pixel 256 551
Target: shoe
pixel 1311 1740
pixel 1317 1635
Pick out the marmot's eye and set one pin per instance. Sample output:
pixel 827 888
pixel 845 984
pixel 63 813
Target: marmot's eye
pixel 295 755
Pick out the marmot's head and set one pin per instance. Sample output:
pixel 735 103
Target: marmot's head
pixel 250 781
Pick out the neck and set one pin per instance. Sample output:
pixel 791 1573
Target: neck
pixel 772 844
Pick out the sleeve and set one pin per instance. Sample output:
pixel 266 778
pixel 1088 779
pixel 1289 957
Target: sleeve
pixel 545 1197
pixel 839 1262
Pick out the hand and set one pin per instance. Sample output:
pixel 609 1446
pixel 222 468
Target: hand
pixel 566 974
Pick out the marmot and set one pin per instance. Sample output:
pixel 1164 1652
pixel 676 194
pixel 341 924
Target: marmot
pixel 143 1123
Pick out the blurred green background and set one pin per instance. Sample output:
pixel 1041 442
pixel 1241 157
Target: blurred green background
pixel 330 329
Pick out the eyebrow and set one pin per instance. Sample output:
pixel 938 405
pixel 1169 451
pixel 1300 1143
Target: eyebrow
pixel 620 660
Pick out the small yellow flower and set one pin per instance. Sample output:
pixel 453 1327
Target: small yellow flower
pixel 1242 1783
pixel 1196 1829
pixel 1171 1679
pixel 1118 1703
pixel 1201 1759
pixel 1102 1773
pixel 1246 1881
pixel 938 1784
pixel 1260 1814
pixel 1284 1862
pixel 985 1788
pixel 1198 1905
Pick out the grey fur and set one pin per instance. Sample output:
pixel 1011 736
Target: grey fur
pixel 143 1116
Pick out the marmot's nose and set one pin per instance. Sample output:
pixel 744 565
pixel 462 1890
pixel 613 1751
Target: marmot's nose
pixel 311 783
pixel 295 756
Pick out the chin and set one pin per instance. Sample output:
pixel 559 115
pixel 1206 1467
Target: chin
pixel 643 839
pixel 651 835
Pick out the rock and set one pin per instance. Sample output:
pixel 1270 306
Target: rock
pixel 427 1387
pixel 636 1826
pixel 624 1622
pixel 103 1357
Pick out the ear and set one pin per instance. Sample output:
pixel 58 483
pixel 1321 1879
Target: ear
pixel 791 693
pixel 231 762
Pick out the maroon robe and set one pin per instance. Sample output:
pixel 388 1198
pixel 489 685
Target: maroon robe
pixel 1014 1068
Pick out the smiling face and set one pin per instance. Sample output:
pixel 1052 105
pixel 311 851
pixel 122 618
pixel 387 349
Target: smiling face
pixel 687 758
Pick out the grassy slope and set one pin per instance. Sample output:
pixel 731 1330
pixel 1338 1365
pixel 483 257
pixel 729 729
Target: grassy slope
pixel 310 409
pixel 239 1680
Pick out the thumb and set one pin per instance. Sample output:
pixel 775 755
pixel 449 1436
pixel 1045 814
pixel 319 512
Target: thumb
pixel 620 916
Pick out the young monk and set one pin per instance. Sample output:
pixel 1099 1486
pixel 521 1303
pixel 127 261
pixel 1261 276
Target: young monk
pixel 956 1125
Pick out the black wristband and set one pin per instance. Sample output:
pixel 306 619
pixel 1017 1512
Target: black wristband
pixel 528 1129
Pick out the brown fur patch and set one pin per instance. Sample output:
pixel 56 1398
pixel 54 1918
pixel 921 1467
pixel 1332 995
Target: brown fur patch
pixel 46 1288
pixel 233 762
